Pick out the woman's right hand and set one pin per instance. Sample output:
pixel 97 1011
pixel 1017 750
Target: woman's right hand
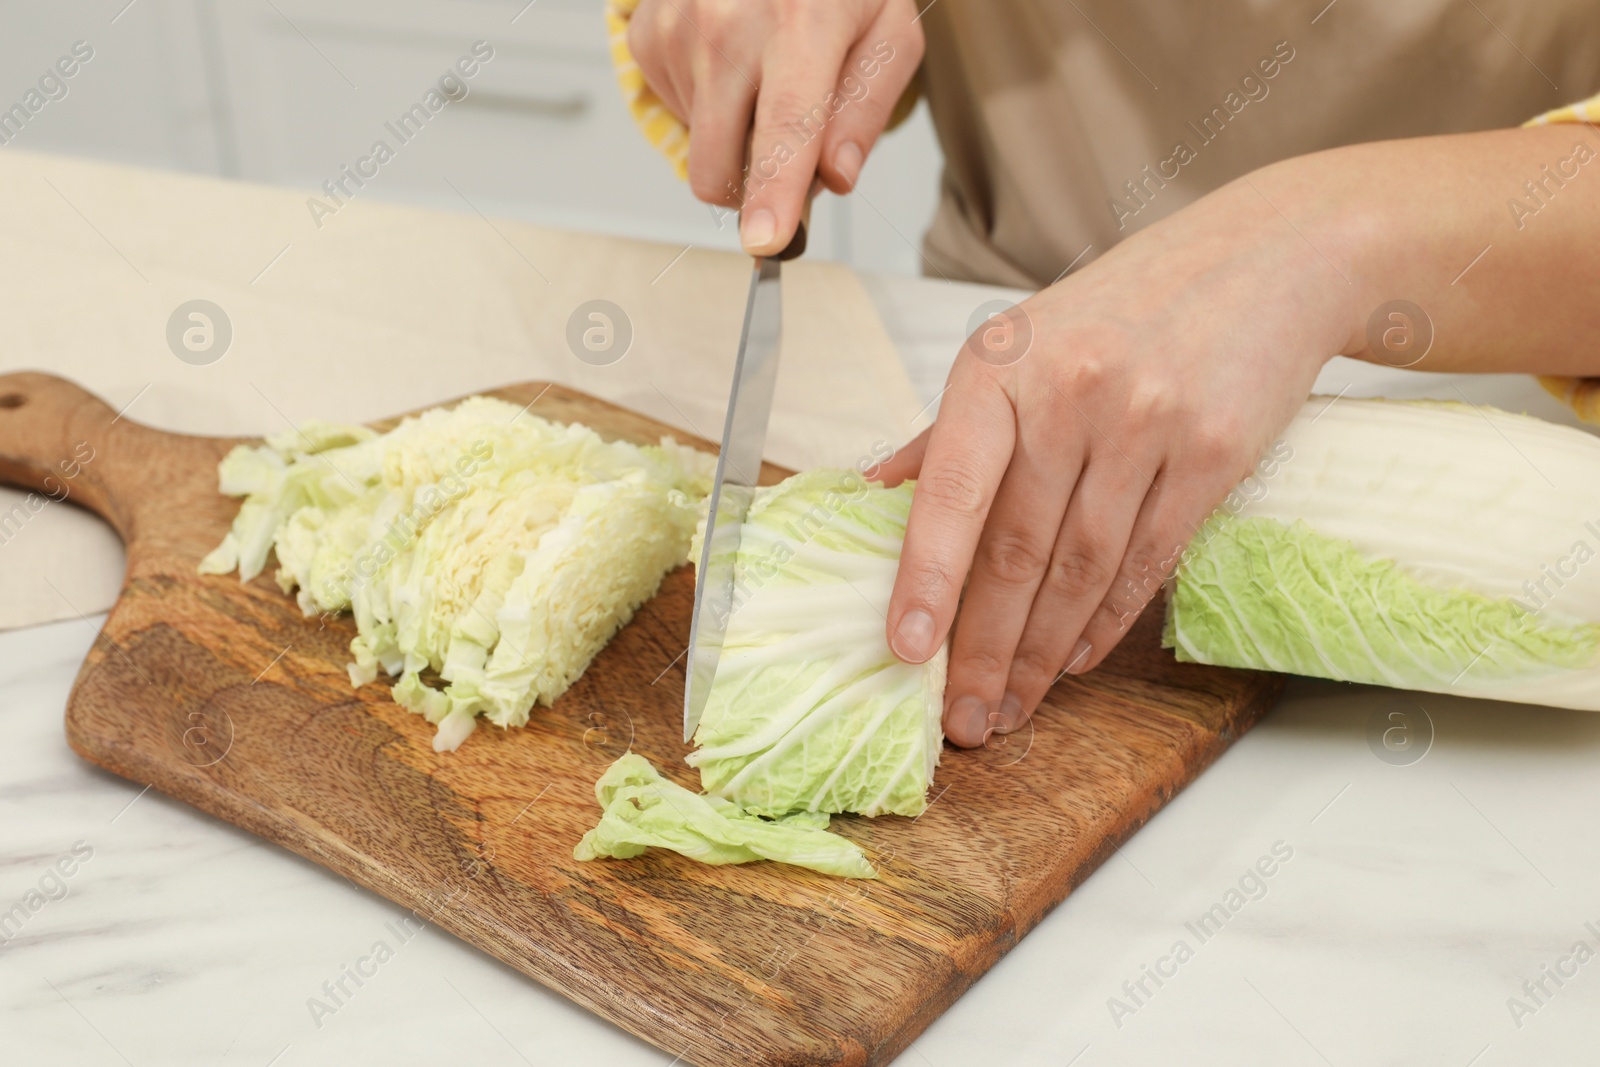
pixel 804 88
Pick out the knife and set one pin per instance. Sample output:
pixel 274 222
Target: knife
pixel 744 438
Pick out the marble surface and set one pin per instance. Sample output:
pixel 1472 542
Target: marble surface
pixel 1408 898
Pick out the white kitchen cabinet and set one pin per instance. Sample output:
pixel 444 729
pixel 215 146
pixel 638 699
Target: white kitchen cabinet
pixel 291 91
pixel 141 99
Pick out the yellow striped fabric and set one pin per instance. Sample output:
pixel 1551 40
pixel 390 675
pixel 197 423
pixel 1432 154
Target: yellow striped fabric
pixel 1583 394
pixel 1586 111
pixel 660 126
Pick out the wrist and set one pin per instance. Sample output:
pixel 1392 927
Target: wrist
pixel 1325 237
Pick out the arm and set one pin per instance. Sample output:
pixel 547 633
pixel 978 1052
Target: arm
pixel 1058 489
pixel 1406 218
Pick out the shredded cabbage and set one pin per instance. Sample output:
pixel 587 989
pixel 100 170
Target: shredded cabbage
pixel 493 548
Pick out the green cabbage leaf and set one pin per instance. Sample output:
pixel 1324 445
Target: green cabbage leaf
pixel 643 810
pixel 1288 599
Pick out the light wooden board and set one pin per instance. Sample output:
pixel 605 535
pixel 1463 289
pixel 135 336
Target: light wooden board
pixel 222 695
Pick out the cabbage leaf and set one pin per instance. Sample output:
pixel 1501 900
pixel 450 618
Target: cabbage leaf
pixel 643 810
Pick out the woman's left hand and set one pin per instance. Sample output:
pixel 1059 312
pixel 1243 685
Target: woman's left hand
pixel 1087 433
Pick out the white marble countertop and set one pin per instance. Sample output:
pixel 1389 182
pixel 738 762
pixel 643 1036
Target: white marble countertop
pixel 1414 901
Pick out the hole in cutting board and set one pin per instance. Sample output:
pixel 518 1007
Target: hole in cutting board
pixel 12 400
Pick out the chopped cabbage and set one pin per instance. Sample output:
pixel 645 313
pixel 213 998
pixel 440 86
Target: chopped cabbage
pixel 644 810
pixel 494 548
pixel 809 710
pixel 1425 545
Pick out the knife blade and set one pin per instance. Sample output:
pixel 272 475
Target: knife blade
pixel 744 438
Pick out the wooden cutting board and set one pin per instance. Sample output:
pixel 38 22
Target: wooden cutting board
pixel 222 695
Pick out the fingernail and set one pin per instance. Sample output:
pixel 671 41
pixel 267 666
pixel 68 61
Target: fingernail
pixel 1010 714
pixel 847 161
pixel 967 722
pixel 757 229
pixel 1080 657
pixel 913 638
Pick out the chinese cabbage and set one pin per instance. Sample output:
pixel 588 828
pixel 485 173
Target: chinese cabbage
pixel 809 710
pixel 1420 544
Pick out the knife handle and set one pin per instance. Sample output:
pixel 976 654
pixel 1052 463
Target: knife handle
pixel 797 244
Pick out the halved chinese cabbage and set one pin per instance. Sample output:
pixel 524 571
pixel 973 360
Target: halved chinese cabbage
pixel 809 709
pixel 493 547
pixel 1426 545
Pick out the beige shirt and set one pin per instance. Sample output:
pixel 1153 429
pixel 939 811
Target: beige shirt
pixel 1069 124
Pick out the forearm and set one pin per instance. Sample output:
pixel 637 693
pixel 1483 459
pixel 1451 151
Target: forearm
pixel 1507 273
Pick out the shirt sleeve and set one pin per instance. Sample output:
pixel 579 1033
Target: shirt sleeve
pixel 660 126
pixel 1583 394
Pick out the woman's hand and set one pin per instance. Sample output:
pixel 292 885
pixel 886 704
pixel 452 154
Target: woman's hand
pixel 815 82
pixel 1061 483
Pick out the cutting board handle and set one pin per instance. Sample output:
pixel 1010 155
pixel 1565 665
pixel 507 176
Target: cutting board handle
pixel 64 443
